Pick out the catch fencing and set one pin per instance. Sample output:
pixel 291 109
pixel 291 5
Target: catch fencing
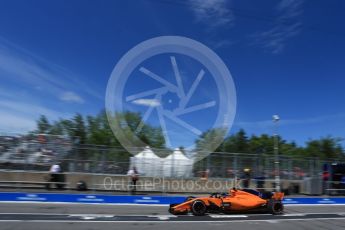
pixel 36 155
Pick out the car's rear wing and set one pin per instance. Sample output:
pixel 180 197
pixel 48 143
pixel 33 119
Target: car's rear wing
pixel 278 196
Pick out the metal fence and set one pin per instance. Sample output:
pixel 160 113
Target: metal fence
pixel 33 156
pixel 18 153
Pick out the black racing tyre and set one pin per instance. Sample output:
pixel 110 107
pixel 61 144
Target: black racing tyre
pixel 275 207
pixel 198 208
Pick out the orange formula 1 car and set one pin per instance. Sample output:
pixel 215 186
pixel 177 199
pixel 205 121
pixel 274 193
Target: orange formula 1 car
pixel 246 200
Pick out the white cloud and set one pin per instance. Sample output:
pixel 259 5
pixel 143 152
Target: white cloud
pixel 71 97
pixel 19 117
pixel 30 110
pixel 38 73
pixel 286 26
pixel 147 102
pixel 222 43
pixel 24 79
pixel 14 123
pixel 214 13
pixel 291 8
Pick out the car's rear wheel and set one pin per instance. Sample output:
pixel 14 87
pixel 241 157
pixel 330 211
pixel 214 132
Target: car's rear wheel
pixel 198 208
pixel 275 207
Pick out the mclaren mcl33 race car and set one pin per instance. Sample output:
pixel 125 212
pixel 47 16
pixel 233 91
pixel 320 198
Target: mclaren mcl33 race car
pixel 237 201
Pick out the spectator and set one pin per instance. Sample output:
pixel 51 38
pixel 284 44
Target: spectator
pixel 134 176
pixel 342 185
pixel 260 182
pixel 325 179
pixel 246 178
pixel 55 176
pixel 205 174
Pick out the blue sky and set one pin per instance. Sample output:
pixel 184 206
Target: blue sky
pixel 286 57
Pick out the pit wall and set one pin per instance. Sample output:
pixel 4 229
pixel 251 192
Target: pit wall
pixel 122 183
pixel 138 200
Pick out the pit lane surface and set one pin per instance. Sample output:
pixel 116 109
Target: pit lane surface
pixel 83 216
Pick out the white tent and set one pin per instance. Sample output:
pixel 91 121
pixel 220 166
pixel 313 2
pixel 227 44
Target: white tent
pixel 177 165
pixel 147 163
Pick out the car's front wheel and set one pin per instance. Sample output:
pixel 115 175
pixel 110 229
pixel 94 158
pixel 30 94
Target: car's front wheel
pixel 198 208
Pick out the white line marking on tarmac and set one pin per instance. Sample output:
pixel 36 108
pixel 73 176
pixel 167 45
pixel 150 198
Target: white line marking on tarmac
pixel 291 205
pixel 130 204
pixel 296 214
pixel 273 221
pixel 91 215
pixel 79 203
pixel 170 222
pixel 228 216
pixel 163 215
pixel 88 218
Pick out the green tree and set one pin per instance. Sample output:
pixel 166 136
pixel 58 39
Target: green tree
pixel 255 145
pixel 43 125
pixel 210 139
pixel 325 148
pixel 79 128
pixel 129 123
pixel 99 131
pixel 237 143
pixel 68 128
pixel 57 128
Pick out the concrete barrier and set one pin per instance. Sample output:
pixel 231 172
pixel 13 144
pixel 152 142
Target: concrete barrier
pixel 147 200
pixel 89 198
pixel 112 182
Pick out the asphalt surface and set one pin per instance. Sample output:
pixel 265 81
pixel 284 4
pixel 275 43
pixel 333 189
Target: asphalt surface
pixel 90 216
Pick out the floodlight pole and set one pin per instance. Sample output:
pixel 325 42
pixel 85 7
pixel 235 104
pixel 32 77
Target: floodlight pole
pixel 276 154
